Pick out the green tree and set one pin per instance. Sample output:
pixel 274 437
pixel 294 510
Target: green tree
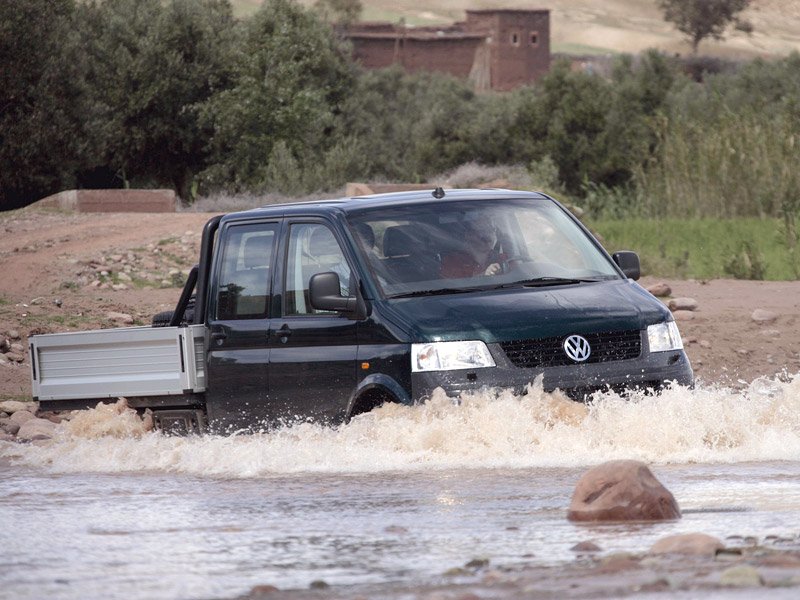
pixel 699 19
pixel 41 99
pixel 291 76
pixel 153 64
pixel 564 117
pixel 411 126
pixel 639 92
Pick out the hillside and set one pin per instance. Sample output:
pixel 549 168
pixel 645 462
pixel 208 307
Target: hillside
pixel 602 26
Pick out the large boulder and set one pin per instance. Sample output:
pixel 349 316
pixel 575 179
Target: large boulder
pixel 621 490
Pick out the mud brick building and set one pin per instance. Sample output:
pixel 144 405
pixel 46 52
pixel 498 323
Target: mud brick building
pixel 494 49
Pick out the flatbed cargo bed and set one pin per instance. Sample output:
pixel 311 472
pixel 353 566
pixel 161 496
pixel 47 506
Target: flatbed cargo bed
pixel 110 363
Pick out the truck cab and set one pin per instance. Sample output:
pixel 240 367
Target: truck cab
pixel 324 310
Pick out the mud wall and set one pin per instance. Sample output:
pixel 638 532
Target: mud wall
pixel 142 201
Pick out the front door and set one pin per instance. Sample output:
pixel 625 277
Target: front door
pixel 238 327
pixel 313 357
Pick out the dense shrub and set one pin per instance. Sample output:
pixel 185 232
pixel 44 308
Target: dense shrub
pixel 151 64
pixel 42 107
pixel 290 79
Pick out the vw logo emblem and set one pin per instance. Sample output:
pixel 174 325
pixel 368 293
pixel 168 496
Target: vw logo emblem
pixel 577 348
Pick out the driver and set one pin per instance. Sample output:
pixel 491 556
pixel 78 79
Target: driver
pixel 480 255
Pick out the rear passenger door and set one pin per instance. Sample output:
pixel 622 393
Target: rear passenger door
pixel 240 301
pixel 313 356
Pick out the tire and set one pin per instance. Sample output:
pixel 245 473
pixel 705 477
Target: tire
pixel 163 319
pixel 369 401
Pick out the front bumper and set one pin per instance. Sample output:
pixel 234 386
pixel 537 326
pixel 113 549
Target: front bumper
pixel 579 381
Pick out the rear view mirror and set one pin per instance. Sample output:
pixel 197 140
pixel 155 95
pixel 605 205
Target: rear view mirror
pixel 628 262
pixel 325 293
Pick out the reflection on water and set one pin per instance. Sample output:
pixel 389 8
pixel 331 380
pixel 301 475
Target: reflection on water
pixel 403 493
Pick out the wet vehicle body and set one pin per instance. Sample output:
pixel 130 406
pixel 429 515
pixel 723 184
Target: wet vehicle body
pixel 324 310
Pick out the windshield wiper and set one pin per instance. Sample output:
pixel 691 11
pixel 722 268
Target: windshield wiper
pixel 545 281
pixel 439 292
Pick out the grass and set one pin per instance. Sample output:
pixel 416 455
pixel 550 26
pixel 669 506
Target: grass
pixel 702 248
pixel 580 49
pixel 73 321
pixel 410 18
pixel 16 397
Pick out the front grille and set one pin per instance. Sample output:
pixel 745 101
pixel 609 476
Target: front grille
pixel 549 352
pixel 584 394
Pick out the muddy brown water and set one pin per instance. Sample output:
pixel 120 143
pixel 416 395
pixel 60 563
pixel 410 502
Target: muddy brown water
pixel 402 494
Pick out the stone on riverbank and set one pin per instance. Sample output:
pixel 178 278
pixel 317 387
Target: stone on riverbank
pixel 764 316
pixel 682 304
pixel 12 406
pixel 117 317
pixel 36 429
pixel 741 576
pixel 660 290
pixel 21 416
pixel 621 490
pixel 9 427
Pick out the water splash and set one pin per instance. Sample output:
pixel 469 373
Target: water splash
pixel 535 429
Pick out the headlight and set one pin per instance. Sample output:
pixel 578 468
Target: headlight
pixel 448 356
pixel 664 336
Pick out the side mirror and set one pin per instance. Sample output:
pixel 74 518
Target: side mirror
pixel 628 262
pixel 325 294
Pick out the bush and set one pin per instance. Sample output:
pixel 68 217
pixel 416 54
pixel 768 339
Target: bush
pixel 43 125
pixel 736 165
pixel 745 263
pixel 291 78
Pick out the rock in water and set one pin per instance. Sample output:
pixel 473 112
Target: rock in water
pixel 741 576
pixel 36 429
pixel 622 490
pixel 698 544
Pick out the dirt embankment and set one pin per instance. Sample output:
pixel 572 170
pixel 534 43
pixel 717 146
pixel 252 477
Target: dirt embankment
pixel 62 271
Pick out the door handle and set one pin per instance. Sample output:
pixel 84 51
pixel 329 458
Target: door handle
pixel 218 337
pixel 284 333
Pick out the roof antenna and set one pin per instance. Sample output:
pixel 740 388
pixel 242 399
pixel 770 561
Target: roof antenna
pixel 438 193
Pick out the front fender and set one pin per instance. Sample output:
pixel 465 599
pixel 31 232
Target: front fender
pixel 381 382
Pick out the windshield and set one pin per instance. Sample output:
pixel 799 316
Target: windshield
pixel 451 247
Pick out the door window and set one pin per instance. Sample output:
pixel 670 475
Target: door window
pixel 312 249
pixel 243 290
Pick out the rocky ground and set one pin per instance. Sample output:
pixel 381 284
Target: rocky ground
pixel 68 272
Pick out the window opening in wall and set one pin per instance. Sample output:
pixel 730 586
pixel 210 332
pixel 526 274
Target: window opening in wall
pixel 534 38
pixel 515 39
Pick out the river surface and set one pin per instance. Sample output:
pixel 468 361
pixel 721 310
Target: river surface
pixel 402 494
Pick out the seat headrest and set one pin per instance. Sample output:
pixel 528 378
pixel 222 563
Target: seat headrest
pixel 398 241
pixel 257 251
pixel 322 243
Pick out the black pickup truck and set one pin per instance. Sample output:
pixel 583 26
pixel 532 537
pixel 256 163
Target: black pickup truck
pixel 323 310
